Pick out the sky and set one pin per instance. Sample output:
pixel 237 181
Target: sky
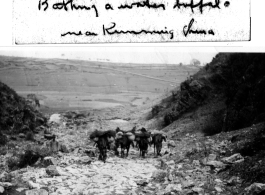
pixel 139 55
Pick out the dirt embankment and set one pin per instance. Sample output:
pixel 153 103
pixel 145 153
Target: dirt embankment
pixel 236 81
pixel 17 115
pixel 216 114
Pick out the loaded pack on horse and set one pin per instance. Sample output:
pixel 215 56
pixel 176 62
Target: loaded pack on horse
pixel 142 138
pixel 103 139
pixel 124 139
pixel 157 139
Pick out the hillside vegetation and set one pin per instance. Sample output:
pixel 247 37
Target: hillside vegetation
pixel 16 115
pixel 218 114
pixel 236 81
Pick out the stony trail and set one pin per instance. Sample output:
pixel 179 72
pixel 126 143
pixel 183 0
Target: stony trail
pixel 77 174
pixel 189 167
pixel 186 167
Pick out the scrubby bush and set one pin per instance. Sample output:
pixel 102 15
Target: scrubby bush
pixel 30 136
pixel 16 113
pixel 28 158
pixel 47 131
pixel 3 151
pixel 246 90
pixel 3 139
pixel 212 128
pixel 191 152
pixel 155 110
pixel 170 117
pixel 214 124
pixel 12 162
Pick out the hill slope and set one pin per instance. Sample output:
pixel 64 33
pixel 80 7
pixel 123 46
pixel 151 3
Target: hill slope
pixel 225 101
pixel 16 115
pixel 235 82
pixel 62 84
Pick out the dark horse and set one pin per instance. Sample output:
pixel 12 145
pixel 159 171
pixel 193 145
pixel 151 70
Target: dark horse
pixel 143 146
pixel 143 141
pixel 102 141
pixel 122 140
pixel 157 140
pixel 103 146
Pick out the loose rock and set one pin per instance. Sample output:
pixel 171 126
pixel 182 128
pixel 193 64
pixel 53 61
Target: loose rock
pixel 159 175
pixel 216 164
pixel 50 161
pixel 37 192
pixel 22 135
pixel 142 183
pixel 52 171
pixel 85 160
pixel 6 184
pixel 235 158
pixel 33 185
pixel 233 181
pixel 2 189
pixel 211 157
pixel 255 188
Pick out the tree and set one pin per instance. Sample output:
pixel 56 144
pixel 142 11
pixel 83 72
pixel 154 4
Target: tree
pixel 195 62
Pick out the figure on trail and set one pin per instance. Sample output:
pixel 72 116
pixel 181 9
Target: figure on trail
pixel 102 140
pixel 124 139
pixel 143 141
pixel 157 140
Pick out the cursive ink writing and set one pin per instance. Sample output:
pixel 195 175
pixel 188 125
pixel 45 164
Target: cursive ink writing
pixel 111 31
pixel 200 5
pixel 145 3
pixel 187 29
pixel 90 33
pixel 108 6
pixel 45 3
pixel 87 33
pixel 72 33
pixel 64 5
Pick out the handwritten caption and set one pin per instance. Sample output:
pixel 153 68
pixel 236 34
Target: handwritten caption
pixel 100 21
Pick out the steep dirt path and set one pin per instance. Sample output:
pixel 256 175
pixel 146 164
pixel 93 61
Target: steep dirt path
pixel 76 174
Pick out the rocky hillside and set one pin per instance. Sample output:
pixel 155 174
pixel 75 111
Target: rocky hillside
pixel 235 82
pixel 215 115
pixel 16 115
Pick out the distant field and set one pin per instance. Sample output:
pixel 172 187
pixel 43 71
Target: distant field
pixel 83 84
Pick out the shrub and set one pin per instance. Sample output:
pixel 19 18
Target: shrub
pixel 12 162
pixel 3 151
pixel 212 128
pixel 30 136
pixel 47 131
pixel 155 110
pixel 3 139
pixel 28 158
pixel 170 117
pixel 22 159
pixel 214 124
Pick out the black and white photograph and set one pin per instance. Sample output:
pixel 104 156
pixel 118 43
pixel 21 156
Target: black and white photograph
pixel 132 121
pixel 132 97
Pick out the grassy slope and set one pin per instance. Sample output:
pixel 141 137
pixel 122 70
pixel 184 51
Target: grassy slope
pixel 225 98
pixel 67 84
